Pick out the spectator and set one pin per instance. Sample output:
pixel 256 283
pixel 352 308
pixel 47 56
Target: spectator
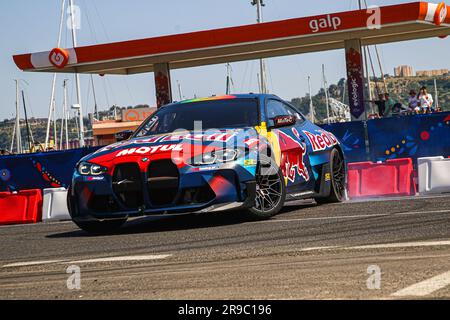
pixel 413 102
pixel 425 100
pixel 380 103
pixel 389 105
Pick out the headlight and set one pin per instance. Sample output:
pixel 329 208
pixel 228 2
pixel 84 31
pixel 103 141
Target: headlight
pixel 90 169
pixel 216 156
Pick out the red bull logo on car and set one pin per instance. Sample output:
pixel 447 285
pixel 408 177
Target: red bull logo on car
pixel 321 141
pixel 292 156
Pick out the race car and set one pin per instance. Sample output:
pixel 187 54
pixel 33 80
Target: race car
pixel 247 152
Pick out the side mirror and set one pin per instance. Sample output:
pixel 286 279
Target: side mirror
pixel 284 121
pixel 123 135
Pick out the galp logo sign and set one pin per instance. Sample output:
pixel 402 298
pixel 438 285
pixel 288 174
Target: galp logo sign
pixel 59 57
pixel 328 22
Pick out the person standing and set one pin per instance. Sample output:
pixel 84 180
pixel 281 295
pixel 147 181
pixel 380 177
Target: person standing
pixel 413 102
pixel 425 100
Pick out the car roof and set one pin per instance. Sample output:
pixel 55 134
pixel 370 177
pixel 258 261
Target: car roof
pixel 228 97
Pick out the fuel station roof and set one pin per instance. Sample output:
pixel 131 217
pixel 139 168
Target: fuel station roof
pixel 396 23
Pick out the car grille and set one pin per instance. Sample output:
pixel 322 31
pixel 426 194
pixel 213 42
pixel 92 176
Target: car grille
pixel 162 182
pixel 127 185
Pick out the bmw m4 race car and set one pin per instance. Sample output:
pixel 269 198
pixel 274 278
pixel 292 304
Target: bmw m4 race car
pixel 251 152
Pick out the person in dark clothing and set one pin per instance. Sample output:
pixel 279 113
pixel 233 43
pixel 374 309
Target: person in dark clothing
pixel 380 103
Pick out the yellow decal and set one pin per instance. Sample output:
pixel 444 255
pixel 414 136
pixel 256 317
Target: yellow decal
pixel 272 137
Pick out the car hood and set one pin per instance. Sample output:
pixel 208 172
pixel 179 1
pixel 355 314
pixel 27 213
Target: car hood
pixel 158 146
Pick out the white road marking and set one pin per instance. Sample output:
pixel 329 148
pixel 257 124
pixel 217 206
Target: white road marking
pixel 425 287
pixel 95 260
pixel 354 216
pixel 383 246
pixel 403 245
pixel 31 263
pixel 319 248
pixel 125 258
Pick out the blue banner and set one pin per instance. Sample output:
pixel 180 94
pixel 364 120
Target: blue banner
pixel 352 138
pixel 39 170
pixel 410 137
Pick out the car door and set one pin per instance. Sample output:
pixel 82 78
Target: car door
pixel 292 145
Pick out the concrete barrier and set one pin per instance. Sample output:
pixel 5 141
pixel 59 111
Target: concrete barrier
pixel 434 175
pixel 55 205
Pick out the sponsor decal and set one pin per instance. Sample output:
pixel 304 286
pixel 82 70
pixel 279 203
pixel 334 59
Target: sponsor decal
pixel 150 150
pixel 212 137
pixel 292 156
pixel 328 22
pixel 100 178
pixel 327 176
pixel 321 141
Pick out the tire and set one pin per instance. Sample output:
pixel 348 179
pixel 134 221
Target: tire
pixel 338 179
pixel 270 194
pixel 100 227
pixel 94 227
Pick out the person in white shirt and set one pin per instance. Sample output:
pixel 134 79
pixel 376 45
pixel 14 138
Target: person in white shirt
pixel 425 100
pixel 413 101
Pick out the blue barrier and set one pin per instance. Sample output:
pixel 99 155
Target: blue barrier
pixel 39 170
pixel 398 137
pixel 352 138
pixel 409 137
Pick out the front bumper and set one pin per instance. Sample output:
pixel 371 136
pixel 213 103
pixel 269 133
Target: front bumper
pixel 199 190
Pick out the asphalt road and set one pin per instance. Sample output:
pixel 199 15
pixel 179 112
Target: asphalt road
pixel 389 249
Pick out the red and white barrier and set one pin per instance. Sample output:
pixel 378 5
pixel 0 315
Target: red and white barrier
pixel 20 207
pixel 391 178
pixel 434 175
pixel 55 205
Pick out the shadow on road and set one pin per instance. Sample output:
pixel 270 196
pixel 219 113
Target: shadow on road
pixel 174 223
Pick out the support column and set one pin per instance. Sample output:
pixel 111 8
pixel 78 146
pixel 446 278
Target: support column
pixel 355 78
pixel 162 84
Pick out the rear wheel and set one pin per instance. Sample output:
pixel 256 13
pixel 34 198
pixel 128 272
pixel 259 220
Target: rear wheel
pixel 338 179
pixel 270 194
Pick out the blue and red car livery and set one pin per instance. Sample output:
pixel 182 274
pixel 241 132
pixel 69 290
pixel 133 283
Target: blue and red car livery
pixel 252 152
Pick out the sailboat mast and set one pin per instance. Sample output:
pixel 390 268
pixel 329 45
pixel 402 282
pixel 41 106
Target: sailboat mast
pixel 30 142
pixel 52 98
pixel 262 74
pixel 18 135
pixel 77 76
pixel 325 88
pixel 66 113
pixel 311 106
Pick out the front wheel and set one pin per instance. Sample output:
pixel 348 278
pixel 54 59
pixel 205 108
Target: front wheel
pixel 338 179
pixel 94 227
pixel 270 194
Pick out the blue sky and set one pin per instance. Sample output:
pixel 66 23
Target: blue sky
pixel 30 26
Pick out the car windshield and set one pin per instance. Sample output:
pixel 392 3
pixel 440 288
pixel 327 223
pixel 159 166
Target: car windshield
pixel 209 114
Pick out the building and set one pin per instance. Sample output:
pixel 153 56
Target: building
pixel 403 71
pixel 130 119
pixel 432 73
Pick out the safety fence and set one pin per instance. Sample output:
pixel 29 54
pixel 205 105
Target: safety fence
pixel 393 138
pixel 40 170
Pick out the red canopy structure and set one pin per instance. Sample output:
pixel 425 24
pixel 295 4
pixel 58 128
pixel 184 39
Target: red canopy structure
pixel 349 30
